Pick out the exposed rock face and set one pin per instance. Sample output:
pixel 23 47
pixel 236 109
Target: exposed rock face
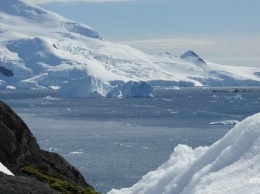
pixel 21 185
pixel 19 149
pixel 6 72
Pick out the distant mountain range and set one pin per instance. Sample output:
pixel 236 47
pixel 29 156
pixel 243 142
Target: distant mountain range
pixel 40 49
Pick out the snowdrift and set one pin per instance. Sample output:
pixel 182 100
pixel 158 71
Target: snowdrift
pixel 231 165
pixel 5 170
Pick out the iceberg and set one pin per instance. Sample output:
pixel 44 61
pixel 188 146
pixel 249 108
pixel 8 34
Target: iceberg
pixel 236 97
pixel 132 89
pixel 231 165
pixel 84 87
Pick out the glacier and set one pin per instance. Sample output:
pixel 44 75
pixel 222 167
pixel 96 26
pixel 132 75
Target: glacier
pixel 41 49
pixel 231 165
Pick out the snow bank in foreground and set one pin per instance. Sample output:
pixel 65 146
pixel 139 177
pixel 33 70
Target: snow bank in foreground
pixel 5 170
pixel 231 165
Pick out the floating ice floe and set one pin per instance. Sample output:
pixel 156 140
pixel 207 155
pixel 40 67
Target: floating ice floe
pixel 10 88
pixel 236 97
pixel 226 122
pixel 231 165
pixel 52 149
pixel 50 98
pixel 215 96
pixel 73 153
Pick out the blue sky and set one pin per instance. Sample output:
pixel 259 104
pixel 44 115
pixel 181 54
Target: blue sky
pixel 222 31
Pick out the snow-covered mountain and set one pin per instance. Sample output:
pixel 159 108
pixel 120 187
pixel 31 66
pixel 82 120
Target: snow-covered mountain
pixel 39 48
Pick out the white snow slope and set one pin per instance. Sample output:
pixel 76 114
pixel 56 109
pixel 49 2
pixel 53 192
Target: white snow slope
pixel 39 48
pixel 5 170
pixel 230 166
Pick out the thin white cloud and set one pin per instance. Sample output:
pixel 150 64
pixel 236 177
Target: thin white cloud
pixel 74 1
pixel 229 49
pixel 176 45
pixel 169 43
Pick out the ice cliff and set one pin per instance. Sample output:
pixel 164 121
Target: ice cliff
pixel 132 89
pixel 85 87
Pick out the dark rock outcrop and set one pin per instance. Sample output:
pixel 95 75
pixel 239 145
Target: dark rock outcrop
pixel 22 185
pixel 6 72
pixel 19 150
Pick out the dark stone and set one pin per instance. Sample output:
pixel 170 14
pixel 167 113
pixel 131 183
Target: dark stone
pixel 22 185
pixel 6 72
pixel 19 149
pixel 7 139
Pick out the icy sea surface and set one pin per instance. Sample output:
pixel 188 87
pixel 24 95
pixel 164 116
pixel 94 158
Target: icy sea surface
pixel 114 142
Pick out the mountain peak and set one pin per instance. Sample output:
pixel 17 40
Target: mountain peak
pixel 192 56
pixel 189 53
pixel 30 13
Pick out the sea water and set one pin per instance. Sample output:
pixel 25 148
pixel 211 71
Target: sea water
pixel 114 142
